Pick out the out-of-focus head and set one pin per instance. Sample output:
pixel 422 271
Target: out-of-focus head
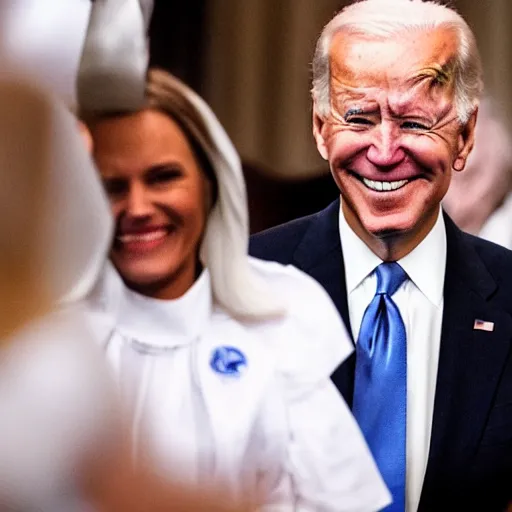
pixel 160 184
pixel 477 192
pixel 115 55
pixel 55 223
pixel 395 90
pixel 176 188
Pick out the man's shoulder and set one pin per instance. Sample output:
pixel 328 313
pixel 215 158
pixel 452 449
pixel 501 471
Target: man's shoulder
pixel 497 260
pixel 489 251
pixel 279 243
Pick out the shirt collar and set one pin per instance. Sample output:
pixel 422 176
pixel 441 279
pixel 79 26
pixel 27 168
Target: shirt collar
pixel 155 322
pixel 425 265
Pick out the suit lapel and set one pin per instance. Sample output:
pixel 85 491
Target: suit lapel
pixel 470 363
pixel 320 255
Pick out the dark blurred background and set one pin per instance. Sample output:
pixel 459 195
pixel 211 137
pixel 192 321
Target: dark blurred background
pixel 250 59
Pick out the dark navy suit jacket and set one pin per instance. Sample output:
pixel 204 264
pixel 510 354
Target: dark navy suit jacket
pixel 470 459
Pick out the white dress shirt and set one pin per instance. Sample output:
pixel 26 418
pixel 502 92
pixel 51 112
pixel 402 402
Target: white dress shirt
pixel 279 430
pixel 420 301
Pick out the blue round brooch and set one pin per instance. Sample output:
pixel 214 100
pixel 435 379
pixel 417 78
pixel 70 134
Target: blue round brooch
pixel 228 361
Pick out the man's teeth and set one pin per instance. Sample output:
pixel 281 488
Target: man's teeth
pixel 143 237
pixel 384 186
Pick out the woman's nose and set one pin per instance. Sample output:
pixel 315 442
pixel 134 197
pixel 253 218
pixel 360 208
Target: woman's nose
pixel 138 203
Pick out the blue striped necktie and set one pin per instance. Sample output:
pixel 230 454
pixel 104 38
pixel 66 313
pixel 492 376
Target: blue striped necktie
pixel 380 388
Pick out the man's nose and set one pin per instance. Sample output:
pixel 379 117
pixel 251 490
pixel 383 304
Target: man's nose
pixel 138 203
pixel 385 149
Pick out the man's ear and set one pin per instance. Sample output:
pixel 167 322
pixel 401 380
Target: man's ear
pixel 318 133
pixel 465 142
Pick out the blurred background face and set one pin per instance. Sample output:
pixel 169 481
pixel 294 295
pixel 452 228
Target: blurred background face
pixel 158 194
pixel 393 134
pixel 476 193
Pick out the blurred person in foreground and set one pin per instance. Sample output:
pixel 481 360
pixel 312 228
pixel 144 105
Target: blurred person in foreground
pixel 220 358
pixel 57 404
pixel 479 200
pixel 396 91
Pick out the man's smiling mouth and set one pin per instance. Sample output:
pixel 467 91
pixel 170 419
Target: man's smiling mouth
pixel 384 186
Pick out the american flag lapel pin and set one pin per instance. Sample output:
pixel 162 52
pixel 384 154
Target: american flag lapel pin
pixel 482 325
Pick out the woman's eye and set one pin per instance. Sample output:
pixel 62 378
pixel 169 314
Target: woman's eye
pixel 414 125
pixel 163 176
pixel 115 186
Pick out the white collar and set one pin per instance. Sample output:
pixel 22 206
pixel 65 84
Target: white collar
pixel 155 322
pixel 425 265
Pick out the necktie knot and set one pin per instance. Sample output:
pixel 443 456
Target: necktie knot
pixel 390 276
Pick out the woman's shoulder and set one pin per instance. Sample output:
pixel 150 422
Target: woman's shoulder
pixel 313 340
pixel 303 297
pixel 278 275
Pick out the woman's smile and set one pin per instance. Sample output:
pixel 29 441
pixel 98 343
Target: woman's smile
pixel 142 240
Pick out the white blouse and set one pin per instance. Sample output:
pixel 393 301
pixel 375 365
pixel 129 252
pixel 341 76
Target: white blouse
pixel 246 404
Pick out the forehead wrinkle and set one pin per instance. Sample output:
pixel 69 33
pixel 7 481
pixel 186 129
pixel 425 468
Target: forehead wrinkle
pixel 341 88
pixel 433 53
pixel 405 100
pixel 357 97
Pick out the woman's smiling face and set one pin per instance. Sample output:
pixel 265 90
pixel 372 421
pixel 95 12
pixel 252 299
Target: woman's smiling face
pixel 159 196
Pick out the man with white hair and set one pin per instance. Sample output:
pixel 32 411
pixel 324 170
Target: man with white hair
pixel 396 91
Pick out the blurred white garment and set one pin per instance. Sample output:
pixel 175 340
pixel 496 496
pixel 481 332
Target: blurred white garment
pixel 43 39
pixel 77 225
pixel 248 404
pixel 56 412
pixel 498 226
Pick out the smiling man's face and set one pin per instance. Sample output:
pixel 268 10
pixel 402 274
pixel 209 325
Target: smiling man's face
pixel 393 135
